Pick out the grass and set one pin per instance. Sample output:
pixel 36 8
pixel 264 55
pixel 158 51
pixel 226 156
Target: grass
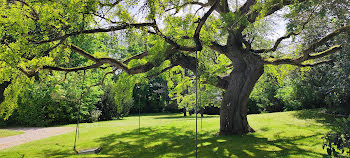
pixel 6 133
pixel 285 134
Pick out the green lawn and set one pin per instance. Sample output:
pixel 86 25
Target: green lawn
pixel 286 134
pixel 6 133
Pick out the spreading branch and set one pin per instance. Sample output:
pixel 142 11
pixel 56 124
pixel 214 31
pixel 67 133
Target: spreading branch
pixel 316 63
pixel 98 30
pixel 246 7
pixel 306 54
pixel 316 44
pixel 277 43
pixel 104 18
pixel 196 35
pixel 137 56
pixel 110 4
pixel 72 69
pixel 160 72
pixel 217 47
pixel 272 9
pixel 253 14
pixel 299 60
pixel 177 9
pixel 169 39
pixel 202 21
pixel 101 83
pixel 279 40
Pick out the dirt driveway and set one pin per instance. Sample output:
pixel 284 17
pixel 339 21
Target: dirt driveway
pixel 31 134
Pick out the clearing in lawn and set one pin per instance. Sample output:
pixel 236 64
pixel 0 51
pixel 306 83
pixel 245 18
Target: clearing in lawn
pixel 285 134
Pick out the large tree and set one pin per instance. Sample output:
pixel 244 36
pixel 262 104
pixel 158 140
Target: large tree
pixel 35 40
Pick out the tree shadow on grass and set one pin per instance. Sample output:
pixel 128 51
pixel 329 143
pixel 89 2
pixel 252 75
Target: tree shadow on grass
pixel 319 115
pixel 187 117
pixel 178 142
pixel 169 142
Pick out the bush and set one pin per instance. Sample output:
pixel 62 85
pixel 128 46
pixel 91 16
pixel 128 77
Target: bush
pixel 51 103
pixel 287 94
pixel 264 95
pixel 253 108
pixel 36 107
pixel 95 114
pixel 151 97
pixel 107 104
pixel 123 93
pixel 337 143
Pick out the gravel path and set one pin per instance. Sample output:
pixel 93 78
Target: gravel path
pixel 31 134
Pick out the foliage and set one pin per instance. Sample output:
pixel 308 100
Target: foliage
pixel 55 102
pixel 124 90
pixel 95 115
pixel 107 104
pixel 326 85
pixel 264 94
pixel 151 96
pixel 337 143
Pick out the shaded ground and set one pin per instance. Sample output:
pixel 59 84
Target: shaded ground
pixel 285 134
pixel 31 134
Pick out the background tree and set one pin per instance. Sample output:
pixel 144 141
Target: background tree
pixel 36 38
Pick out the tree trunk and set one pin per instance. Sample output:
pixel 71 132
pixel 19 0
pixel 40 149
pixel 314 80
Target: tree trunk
pixel 184 111
pixel 233 112
pixel 202 112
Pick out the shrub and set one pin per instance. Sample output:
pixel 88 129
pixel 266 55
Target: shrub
pixel 107 104
pixel 264 94
pixel 337 143
pixel 51 103
pixel 95 114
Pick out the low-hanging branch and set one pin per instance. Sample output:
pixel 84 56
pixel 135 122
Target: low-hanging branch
pixel 98 63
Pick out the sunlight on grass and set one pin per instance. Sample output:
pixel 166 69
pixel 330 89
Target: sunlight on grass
pixel 287 134
pixel 6 133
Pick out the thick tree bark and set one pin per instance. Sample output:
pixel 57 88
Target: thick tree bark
pixel 233 111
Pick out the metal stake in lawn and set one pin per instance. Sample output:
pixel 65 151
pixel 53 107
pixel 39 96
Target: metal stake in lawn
pixel 196 102
pixel 139 113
